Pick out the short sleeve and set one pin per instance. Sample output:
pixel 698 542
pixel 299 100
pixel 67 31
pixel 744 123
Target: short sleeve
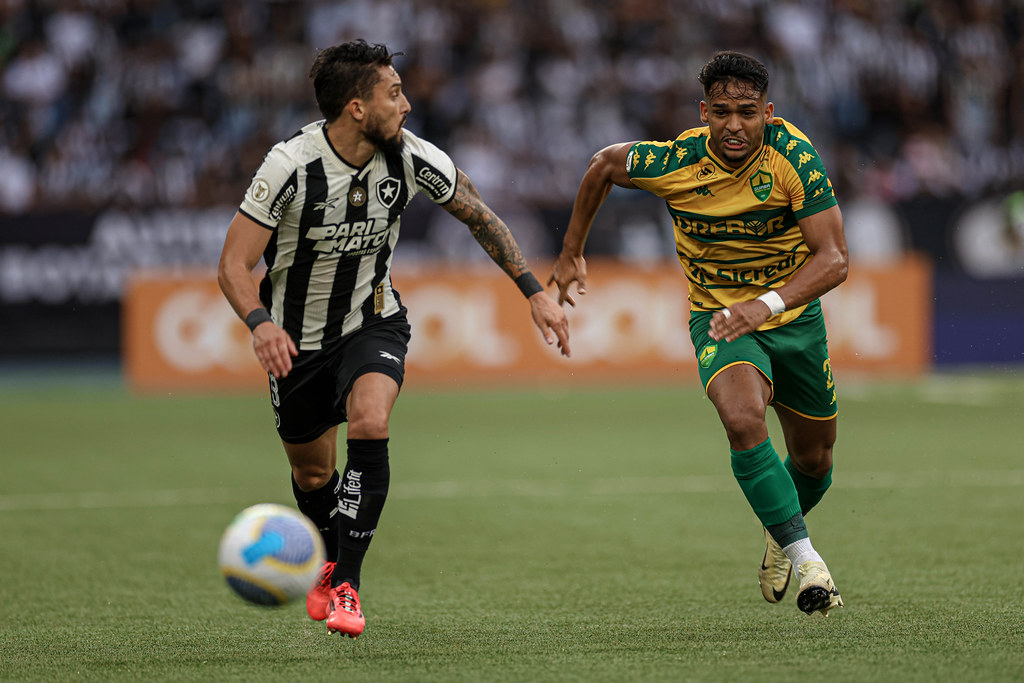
pixel 648 160
pixel 806 180
pixel 434 172
pixel 273 188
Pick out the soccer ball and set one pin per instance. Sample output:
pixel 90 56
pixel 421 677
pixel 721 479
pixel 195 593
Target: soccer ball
pixel 270 554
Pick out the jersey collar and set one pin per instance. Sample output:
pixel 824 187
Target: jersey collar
pixel 334 152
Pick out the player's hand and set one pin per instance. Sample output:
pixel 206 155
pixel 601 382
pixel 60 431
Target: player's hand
pixel 550 318
pixel 732 323
pixel 274 349
pixel 569 269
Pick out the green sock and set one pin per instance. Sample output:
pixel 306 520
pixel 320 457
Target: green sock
pixel 809 489
pixel 790 531
pixel 766 484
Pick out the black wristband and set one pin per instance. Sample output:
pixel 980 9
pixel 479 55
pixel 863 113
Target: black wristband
pixel 257 316
pixel 528 284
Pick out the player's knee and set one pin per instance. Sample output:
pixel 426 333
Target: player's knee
pixel 822 464
pixel 745 429
pixel 311 477
pixel 815 462
pixel 368 424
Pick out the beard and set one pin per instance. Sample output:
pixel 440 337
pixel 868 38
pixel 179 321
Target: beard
pixel 389 145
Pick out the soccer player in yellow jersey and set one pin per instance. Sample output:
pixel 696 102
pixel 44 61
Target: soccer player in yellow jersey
pixel 760 237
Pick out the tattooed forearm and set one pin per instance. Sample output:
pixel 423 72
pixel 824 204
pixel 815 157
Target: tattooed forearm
pixel 485 226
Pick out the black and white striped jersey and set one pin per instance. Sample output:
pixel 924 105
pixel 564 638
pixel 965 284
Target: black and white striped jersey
pixel 335 228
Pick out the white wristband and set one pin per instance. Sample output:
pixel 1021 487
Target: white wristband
pixel 775 303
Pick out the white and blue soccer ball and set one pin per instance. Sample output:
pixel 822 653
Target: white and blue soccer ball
pixel 270 554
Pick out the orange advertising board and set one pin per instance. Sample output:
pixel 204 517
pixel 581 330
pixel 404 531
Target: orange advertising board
pixel 473 327
pixel 179 332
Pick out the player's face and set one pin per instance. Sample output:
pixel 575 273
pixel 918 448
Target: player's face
pixel 387 112
pixel 736 116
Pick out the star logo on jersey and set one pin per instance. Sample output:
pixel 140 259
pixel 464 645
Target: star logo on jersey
pixel 761 185
pixel 357 196
pixel 387 191
pixel 324 205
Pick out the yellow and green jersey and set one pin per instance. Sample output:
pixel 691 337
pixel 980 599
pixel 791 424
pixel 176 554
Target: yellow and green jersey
pixel 736 230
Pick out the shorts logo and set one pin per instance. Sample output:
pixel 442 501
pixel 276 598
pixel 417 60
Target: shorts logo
pixel 707 355
pixel 385 354
pixel 387 191
pixel 275 392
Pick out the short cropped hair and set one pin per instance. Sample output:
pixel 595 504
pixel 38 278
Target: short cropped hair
pixel 734 67
pixel 347 71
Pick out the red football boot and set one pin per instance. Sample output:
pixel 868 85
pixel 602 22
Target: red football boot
pixel 344 615
pixel 318 599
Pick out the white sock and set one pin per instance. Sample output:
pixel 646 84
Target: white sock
pixel 801 551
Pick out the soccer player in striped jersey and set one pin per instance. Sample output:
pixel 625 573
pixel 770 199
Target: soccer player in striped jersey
pixel 323 211
pixel 760 237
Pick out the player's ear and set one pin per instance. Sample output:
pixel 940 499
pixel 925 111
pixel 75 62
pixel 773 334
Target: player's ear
pixel 769 114
pixel 356 109
pixel 703 111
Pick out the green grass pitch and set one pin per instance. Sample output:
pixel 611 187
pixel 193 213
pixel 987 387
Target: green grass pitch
pixel 584 534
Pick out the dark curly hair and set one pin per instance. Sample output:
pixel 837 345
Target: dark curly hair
pixel 734 67
pixel 347 71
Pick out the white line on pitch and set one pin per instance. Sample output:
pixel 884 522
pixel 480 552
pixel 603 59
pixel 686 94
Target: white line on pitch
pixel 509 487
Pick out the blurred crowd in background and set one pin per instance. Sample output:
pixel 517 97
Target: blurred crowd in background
pixel 172 103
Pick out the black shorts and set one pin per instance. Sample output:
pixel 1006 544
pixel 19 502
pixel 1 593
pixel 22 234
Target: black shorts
pixel 311 399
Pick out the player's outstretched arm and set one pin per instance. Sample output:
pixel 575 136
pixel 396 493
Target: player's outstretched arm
pixel 496 239
pixel 826 269
pixel 606 168
pixel 243 248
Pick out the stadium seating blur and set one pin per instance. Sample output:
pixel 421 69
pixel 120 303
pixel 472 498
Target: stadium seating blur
pixel 134 107
pixel 160 103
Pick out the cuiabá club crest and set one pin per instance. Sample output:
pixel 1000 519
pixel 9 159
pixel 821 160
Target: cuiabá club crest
pixel 761 184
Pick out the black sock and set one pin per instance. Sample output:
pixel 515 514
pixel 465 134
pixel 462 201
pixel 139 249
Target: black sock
pixel 364 488
pixel 318 505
